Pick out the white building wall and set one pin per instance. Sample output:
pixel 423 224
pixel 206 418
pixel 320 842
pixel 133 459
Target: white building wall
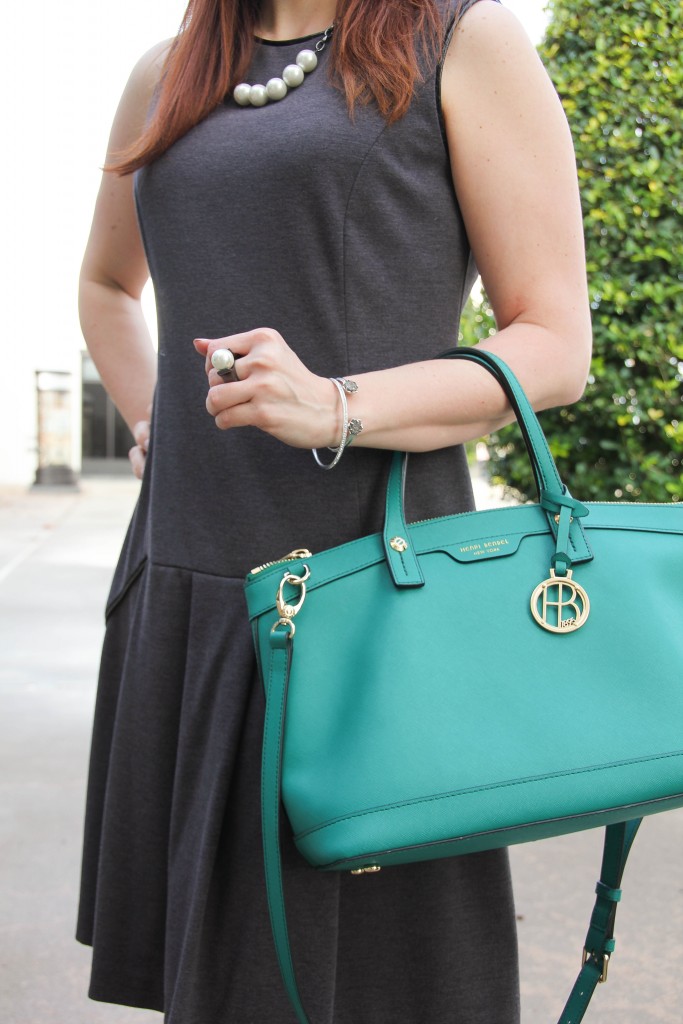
pixel 62 70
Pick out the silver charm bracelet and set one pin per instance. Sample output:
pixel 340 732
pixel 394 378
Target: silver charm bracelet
pixel 350 427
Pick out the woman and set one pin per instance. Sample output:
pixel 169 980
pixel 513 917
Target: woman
pixel 314 236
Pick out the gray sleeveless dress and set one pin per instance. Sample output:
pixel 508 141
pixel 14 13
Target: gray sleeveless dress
pixel 347 238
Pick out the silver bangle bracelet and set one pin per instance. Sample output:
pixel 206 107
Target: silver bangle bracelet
pixel 339 451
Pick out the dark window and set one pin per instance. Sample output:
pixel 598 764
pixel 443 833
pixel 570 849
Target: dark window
pixel 105 434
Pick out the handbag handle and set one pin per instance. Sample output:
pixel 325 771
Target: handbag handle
pixel 563 512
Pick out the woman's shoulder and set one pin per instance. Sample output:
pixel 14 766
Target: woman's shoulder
pixel 148 68
pixel 146 73
pixel 134 106
pixel 453 11
pixel 489 37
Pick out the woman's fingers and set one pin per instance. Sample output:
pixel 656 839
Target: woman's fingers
pixel 239 344
pixel 224 395
pixel 138 458
pixel 273 390
pixel 141 434
pixel 138 453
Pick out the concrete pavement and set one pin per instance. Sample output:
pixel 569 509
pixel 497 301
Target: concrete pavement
pixel 56 556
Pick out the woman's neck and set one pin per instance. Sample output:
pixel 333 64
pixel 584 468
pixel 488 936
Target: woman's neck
pixel 293 19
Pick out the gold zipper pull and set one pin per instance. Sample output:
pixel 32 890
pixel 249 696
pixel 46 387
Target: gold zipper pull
pixel 293 556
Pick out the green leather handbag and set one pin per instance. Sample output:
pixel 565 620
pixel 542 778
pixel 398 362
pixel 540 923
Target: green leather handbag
pixel 401 728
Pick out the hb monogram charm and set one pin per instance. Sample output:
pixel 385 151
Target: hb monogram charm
pixel 560 605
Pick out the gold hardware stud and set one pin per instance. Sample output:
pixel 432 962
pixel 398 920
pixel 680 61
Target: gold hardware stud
pixel 369 869
pixel 398 544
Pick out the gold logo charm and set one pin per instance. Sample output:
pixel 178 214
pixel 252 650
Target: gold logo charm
pixel 560 605
pixel 398 544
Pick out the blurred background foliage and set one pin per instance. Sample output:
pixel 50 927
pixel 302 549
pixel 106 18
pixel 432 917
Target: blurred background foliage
pixel 618 68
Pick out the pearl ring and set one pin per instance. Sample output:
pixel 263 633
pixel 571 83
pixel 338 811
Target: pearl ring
pixel 223 360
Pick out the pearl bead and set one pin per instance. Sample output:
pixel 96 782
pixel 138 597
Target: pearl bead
pixel 307 60
pixel 241 94
pixel 293 75
pixel 276 89
pixel 223 359
pixel 246 95
pixel 258 97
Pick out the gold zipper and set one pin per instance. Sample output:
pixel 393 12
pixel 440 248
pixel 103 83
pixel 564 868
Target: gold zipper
pixel 638 504
pixel 298 553
pixel 293 556
pixel 529 504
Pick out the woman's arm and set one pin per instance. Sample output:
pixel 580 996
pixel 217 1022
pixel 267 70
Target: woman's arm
pixel 514 172
pixel 114 269
pixel 515 175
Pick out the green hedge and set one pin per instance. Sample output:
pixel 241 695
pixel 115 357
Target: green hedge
pixel 618 68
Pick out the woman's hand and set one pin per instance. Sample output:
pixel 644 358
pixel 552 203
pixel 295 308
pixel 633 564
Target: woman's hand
pixel 138 453
pixel 275 391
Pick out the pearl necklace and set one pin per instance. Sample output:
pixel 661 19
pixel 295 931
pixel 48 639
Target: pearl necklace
pixel 292 76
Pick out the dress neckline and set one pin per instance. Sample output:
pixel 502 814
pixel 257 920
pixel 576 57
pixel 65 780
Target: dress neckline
pixel 289 42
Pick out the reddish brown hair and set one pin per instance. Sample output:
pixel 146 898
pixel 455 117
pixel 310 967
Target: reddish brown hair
pixel 377 54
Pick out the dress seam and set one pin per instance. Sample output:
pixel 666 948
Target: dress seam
pixel 352 189
pixel 195 572
pixel 450 30
pixel 115 601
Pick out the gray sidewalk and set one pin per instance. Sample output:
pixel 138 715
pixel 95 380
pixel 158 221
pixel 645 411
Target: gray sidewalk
pixel 56 556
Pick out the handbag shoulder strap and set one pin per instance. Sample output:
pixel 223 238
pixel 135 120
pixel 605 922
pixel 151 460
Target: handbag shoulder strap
pixel 618 839
pixel 276 685
pixel 599 944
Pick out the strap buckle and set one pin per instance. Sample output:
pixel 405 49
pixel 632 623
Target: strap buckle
pixel 596 957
